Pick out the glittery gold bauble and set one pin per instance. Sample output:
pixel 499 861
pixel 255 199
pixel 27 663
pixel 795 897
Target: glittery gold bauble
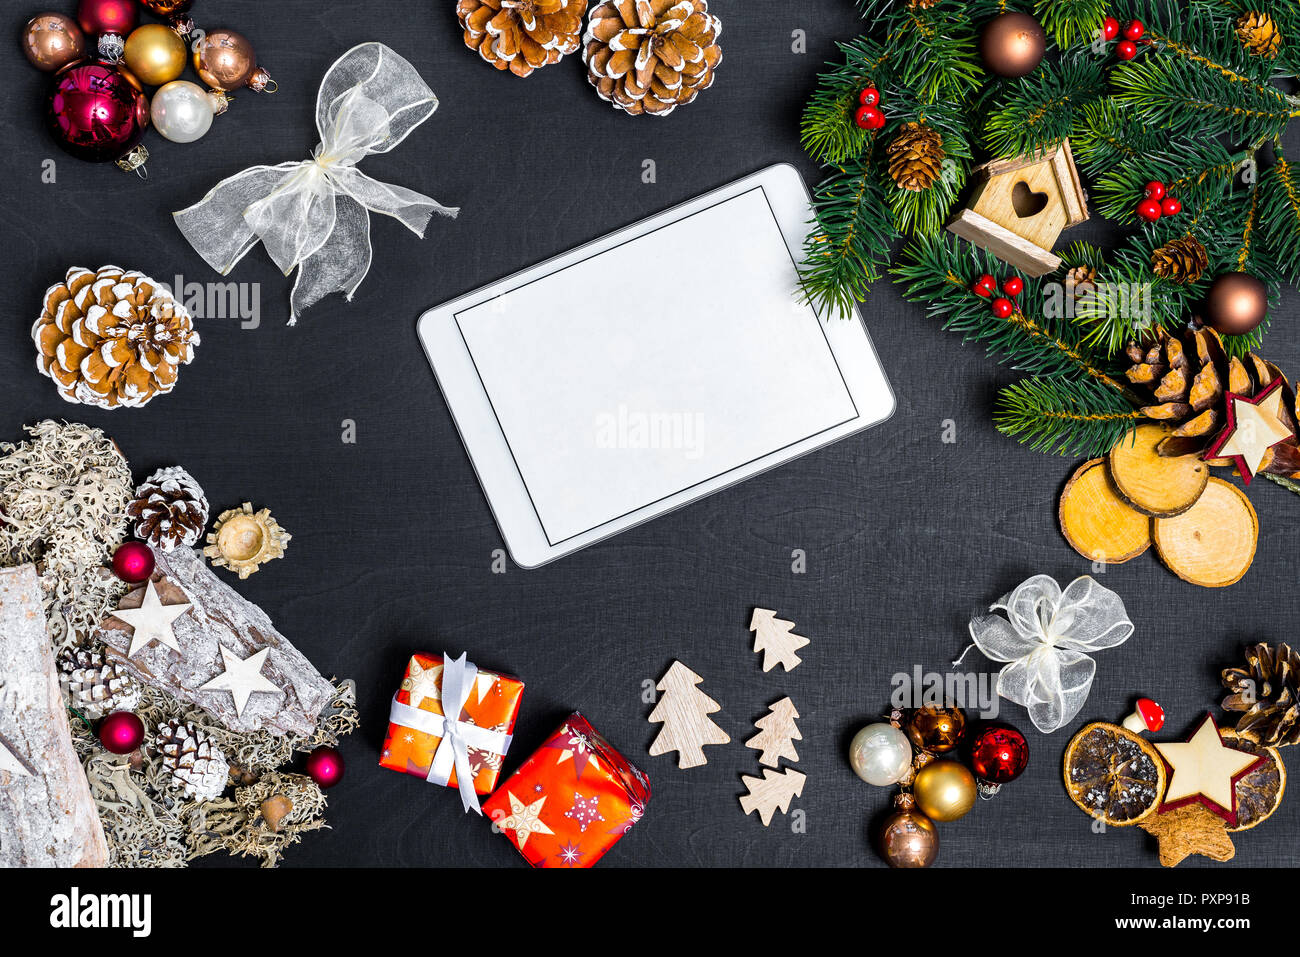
pixel 936 730
pixel 155 53
pixel 945 790
pixel 908 838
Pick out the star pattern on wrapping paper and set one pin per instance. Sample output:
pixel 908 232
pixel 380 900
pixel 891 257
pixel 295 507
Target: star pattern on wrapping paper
pixel 570 855
pixel 421 682
pixel 572 745
pixel 585 811
pixel 1254 426
pixel 152 621
pixel 413 768
pixel 524 819
pixel 625 824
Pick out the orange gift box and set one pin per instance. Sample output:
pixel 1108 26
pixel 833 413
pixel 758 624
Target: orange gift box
pixel 571 801
pixel 491 707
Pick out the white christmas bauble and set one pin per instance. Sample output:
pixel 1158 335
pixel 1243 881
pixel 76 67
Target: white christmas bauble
pixel 181 111
pixel 880 754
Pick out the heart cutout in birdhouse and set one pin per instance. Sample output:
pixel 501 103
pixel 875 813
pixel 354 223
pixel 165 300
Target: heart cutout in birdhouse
pixel 1026 202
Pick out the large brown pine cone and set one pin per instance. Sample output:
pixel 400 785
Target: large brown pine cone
pixel 1266 693
pixel 169 509
pixel 521 35
pixel 112 338
pixel 651 56
pixel 1259 34
pixel 1185 379
pixel 915 157
pixel 1180 260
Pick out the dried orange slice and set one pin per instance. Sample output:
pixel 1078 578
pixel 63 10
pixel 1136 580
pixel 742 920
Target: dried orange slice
pixel 1113 774
pixel 1260 792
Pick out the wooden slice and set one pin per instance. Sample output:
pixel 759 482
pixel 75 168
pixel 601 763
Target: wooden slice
pixel 1154 484
pixel 1097 523
pixel 1212 543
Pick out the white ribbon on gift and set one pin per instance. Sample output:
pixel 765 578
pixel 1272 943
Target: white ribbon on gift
pixel 1044 636
pixel 314 215
pixel 458 736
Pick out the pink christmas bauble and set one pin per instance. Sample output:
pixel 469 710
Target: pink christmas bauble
pixel 133 562
pixel 325 765
pixel 121 732
pixel 95 112
pixel 108 16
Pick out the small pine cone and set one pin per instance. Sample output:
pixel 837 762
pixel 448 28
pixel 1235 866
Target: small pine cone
pixel 915 157
pixel 1180 260
pixel 1259 34
pixel 1083 279
pixel 170 509
pixel 521 35
pixel 196 765
pixel 96 685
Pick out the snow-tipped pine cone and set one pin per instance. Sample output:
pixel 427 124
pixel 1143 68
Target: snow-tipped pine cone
pixel 169 509
pixel 195 763
pixel 651 56
pixel 521 35
pixel 95 684
pixel 112 338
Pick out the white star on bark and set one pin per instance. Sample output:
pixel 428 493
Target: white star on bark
pixel 152 621
pixel 242 678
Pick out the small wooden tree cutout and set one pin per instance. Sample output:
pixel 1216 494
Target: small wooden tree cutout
pixel 772 792
pixel 775 638
pixel 683 710
pixel 777 734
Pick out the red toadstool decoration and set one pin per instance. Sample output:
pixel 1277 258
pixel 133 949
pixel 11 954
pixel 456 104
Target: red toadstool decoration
pixel 1149 716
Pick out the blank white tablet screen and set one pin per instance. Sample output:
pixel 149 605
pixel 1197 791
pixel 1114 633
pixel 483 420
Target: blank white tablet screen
pixel 644 370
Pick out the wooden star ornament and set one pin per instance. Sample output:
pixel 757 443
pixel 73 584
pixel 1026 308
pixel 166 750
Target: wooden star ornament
pixel 152 621
pixel 1204 770
pixel 243 678
pixel 1254 426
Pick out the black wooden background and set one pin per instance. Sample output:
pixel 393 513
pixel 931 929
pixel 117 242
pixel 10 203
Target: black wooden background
pixel 905 535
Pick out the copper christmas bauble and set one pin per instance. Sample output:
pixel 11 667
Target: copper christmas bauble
pixel 1236 303
pixel 1013 44
pixel 909 839
pixel 935 729
pixel 52 41
pixel 945 790
pixel 165 8
pixel 155 53
pixel 225 60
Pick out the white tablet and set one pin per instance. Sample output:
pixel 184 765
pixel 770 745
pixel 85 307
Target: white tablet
pixel 650 368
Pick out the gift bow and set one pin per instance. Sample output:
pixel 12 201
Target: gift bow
pixel 1044 637
pixel 315 215
pixel 458 736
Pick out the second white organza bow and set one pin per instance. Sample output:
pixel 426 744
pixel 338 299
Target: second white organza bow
pixel 314 215
pixel 1045 637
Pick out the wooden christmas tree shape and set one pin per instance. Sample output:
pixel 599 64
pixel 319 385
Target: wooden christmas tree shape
pixel 777 734
pixel 1157 485
pixel 221 622
pixel 1213 543
pixel 772 792
pixel 775 638
pixel 1097 523
pixel 47 816
pixel 683 710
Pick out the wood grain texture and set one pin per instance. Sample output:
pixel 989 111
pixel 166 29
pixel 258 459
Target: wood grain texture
pixel 771 793
pixel 777 733
pixel 47 816
pixel 1154 484
pixel 683 710
pixel 1212 543
pixel 1097 523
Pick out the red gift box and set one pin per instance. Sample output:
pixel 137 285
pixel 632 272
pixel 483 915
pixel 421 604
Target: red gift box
pixel 572 800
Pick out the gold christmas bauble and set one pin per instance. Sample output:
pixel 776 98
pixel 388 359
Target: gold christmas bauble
pixel 935 729
pixel 155 53
pixel 945 790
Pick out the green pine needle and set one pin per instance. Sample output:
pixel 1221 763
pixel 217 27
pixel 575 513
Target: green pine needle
pixel 1064 418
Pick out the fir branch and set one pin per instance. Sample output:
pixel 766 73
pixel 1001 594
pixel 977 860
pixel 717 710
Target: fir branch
pixel 938 58
pixel 1071 21
pixel 1063 417
pixel 828 131
pixel 1280 216
pixel 1038 111
pixel 1107 136
pixel 1287 483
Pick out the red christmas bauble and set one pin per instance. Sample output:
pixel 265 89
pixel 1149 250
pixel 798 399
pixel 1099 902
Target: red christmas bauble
pixel 1149 210
pixel 1134 30
pixel 1013 286
pixel 1110 28
pixel 97 17
pixel 869 96
pixel 95 112
pixel 325 765
pixel 997 753
pixel 1126 49
pixel 1003 308
pixel 121 732
pixel 133 562
pixel 1155 190
pixel 1170 206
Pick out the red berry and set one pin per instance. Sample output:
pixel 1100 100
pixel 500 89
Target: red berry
pixel 1155 190
pixel 869 96
pixel 869 118
pixel 1149 210
pixel 1134 30
pixel 1126 49
pixel 1003 308
pixel 1171 206
pixel 1013 286
pixel 1110 28
pixel 984 286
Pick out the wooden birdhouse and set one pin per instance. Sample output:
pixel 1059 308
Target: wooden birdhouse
pixel 1020 206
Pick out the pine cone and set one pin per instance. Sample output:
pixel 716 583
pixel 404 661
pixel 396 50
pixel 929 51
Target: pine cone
pixel 112 338
pixel 915 157
pixel 651 56
pixel 1259 34
pixel 521 35
pixel 1082 278
pixel 169 510
pixel 1185 380
pixel 96 685
pixel 1266 693
pixel 1182 261
pixel 196 765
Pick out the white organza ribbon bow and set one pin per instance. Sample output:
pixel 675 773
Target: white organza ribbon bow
pixel 315 215
pixel 1044 636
